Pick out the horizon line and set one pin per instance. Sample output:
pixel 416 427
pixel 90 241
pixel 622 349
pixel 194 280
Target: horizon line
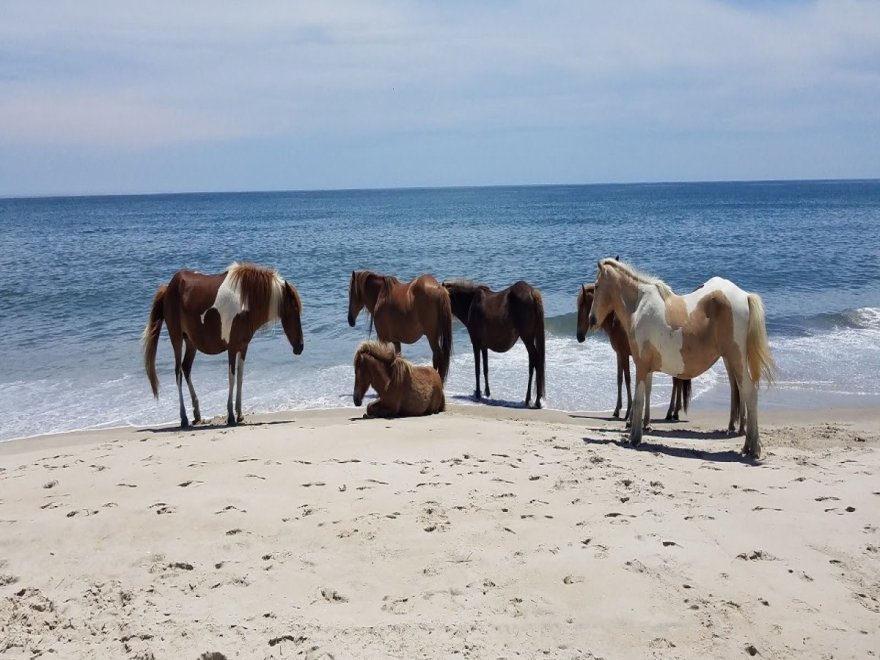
pixel 432 187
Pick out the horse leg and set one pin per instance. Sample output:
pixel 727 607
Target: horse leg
pixel 643 377
pixel 230 418
pixel 477 371
pixel 377 409
pixel 188 359
pixel 646 426
pixel 177 346
pixel 616 412
pixel 734 397
pixel 531 372
pixel 627 380
pixel 486 371
pixel 749 399
pixel 239 380
pixel 397 347
pixel 672 402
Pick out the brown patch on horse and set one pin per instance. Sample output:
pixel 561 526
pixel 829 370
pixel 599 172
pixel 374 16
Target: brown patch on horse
pixel 258 287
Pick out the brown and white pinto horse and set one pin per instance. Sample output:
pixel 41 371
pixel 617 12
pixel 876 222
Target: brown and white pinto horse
pixel 403 313
pixel 404 389
pixel 495 320
pixel 216 313
pixel 681 389
pixel 685 335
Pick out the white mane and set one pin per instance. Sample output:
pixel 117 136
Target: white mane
pixel 639 276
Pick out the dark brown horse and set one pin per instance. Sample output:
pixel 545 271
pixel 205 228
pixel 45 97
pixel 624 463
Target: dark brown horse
pixel 403 313
pixel 681 389
pixel 495 320
pixel 216 313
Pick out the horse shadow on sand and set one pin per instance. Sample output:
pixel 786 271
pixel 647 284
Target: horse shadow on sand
pixel 214 425
pixel 497 403
pixel 718 456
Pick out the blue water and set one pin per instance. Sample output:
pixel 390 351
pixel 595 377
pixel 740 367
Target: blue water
pixel 78 276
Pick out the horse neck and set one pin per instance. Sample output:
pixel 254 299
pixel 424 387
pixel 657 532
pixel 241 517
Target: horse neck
pixel 461 304
pixel 372 287
pixel 625 299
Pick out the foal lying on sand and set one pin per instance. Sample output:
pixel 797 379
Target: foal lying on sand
pixel 404 389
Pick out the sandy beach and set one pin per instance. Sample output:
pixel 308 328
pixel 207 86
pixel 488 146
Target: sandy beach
pixel 481 532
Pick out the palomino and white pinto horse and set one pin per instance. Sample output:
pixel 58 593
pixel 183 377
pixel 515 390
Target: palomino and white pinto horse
pixel 685 335
pixel 403 312
pixel 681 389
pixel 216 313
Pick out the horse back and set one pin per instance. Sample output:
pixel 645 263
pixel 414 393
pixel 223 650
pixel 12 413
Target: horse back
pixel 189 297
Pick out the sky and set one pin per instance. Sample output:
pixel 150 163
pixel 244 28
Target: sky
pixel 115 97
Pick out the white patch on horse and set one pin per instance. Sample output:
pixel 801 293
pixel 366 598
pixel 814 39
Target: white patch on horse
pixel 649 323
pixel 228 305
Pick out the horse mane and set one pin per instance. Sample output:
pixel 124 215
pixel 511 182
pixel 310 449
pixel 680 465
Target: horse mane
pixel 586 288
pixel 638 276
pixel 260 289
pixel 468 286
pixel 361 277
pixel 380 350
pixel 398 368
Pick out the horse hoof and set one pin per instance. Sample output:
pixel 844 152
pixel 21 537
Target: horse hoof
pixel 240 418
pixel 230 421
pixel 538 404
pixel 197 420
pixel 184 423
pixel 477 395
pixel 487 393
pixel 616 414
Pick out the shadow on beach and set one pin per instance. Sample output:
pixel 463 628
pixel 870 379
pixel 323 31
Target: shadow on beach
pixel 214 425
pixel 721 456
pixel 497 403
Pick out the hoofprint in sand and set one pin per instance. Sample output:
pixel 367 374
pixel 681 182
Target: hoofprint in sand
pixel 486 532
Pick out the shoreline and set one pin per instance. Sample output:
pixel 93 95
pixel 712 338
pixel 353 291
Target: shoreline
pixel 703 418
pixel 482 532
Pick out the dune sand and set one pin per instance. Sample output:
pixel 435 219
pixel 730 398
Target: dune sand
pixel 482 532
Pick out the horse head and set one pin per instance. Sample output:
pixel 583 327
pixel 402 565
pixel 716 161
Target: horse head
pixel 291 310
pixel 373 362
pixel 602 296
pixel 355 299
pixel 584 303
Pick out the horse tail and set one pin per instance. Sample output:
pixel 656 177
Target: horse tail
pixel 444 332
pixel 685 393
pixel 757 347
pixel 150 338
pixel 539 341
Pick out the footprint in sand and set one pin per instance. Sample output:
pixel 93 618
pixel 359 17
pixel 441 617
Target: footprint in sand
pixel 162 508
pixel 396 605
pixel 333 596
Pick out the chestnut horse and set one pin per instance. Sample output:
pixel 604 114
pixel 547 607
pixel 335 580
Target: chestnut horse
pixel 495 320
pixel 681 390
pixel 216 313
pixel 685 335
pixel 404 389
pixel 402 313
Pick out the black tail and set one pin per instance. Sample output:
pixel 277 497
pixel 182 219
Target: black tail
pixel 539 342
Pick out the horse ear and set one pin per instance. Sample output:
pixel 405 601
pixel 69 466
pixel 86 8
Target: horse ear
pixel 617 258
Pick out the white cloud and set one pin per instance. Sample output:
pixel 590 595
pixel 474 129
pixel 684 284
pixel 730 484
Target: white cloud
pixel 112 75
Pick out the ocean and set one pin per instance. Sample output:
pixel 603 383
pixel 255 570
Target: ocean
pixel 79 273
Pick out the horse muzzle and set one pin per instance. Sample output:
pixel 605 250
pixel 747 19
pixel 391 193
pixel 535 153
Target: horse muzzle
pixel 350 320
pixel 358 400
pixel 298 348
pixel 581 336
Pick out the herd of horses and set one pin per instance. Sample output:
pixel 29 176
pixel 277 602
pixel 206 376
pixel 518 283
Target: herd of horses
pixel 645 321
